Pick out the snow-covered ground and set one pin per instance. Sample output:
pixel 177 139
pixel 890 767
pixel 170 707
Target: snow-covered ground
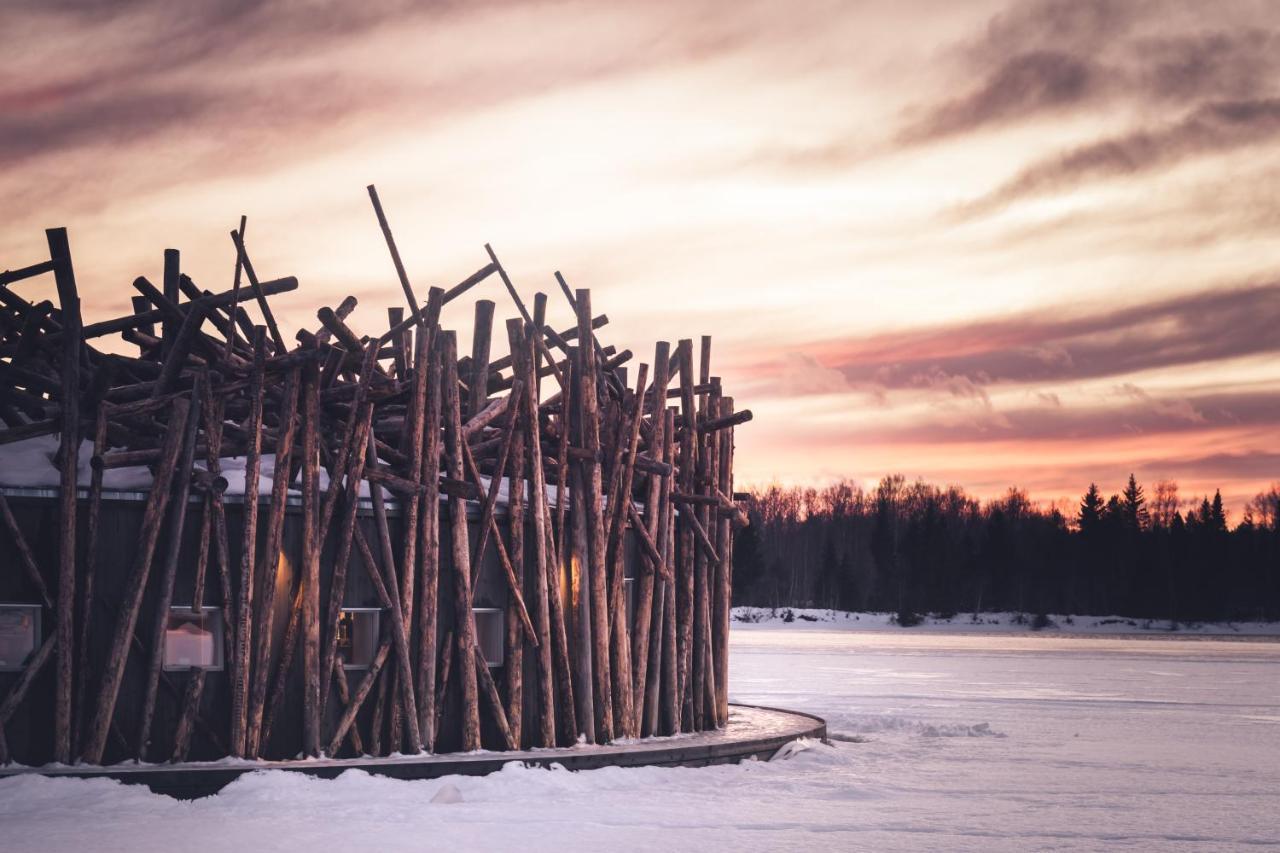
pixel 992 623
pixel 941 741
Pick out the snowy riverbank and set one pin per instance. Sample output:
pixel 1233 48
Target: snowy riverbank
pixel 943 740
pixel 749 618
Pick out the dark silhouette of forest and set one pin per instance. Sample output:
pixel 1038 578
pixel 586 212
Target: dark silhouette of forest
pixel 914 548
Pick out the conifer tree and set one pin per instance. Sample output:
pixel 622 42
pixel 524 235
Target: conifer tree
pixel 1136 515
pixel 1091 509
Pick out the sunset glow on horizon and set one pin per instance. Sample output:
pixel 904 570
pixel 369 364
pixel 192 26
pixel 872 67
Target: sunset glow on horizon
pixel 988 244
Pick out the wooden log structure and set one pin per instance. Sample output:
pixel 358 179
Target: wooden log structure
pixel 543 552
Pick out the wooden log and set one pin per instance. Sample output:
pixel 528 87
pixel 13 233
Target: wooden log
pixel 33 666
pixel 469 282
pixel 186 720
pixel 346 528
pixel 684 553
pixel 465 618
pixel 485 679
pixel 524 354
pixel 144 318
pixel 8 277
pixel 429 546
pixel 344 695
pixel 485 417
pixel 620 640
pixel 214 411
pixel 724 570
pixel 345 476
pixel 357 699
pixel 258 293
pixel 172 293
pixel 86 589
pixel 234 308
pixel 395 253
pixel 566 714
pixel 480 341
pixel 248 553
pixel 69 302
pixel 589 412
pixel 131 601
pixel 579 584
pixel 414 440
pixel 403 682
pixel 645 605
pixel 378 719
pixel 25 558
pixel 288 646
pixel 308 606
pixel 669 721
pixel 724 422
pixel 442 688
pixel 504 558
pixel 169 569
pixel 270 560
pixel 513 636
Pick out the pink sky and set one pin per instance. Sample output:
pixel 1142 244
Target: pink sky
pixel 987 243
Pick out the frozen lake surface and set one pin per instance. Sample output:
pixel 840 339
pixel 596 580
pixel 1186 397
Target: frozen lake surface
pixel 945 741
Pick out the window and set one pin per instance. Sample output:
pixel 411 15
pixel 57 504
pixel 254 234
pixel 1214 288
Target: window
pixel 490 634
pixel 358 636
pixel 19 633
pixel 629 588
pixel 193 639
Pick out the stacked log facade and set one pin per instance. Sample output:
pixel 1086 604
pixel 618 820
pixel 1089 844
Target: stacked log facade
pixel 593 517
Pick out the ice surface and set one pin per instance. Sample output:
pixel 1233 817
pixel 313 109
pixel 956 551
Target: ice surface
pixel 941 741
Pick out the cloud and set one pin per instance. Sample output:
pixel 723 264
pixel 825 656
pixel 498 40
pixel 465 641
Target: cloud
pixel 803 374
pixel 1066 343
pixel 1177 409
pixel 1209 129
pixel 1024 85
pixel 1056 56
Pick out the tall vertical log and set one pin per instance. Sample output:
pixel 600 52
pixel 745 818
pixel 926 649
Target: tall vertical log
pixel 653 513
pixel 513 639
pixel 90 573
pixel 272 556
pixel 169 568
pixel 724 572
pixel 248 553
pixel 69 300
pixel 172 292
pixel 671 706
pixel 580 586
pixel 478 381
pixel 589 407
pixel 131 601
pixel 309 590
pixel 522 367
pixel 429 549
pixel 684 551
pixel 466 626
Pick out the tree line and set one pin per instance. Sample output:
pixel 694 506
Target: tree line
pixel 914 548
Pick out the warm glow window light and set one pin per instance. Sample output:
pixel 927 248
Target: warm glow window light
pixel 358 631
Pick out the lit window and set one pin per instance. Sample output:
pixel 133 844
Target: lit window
pixel 358 636
pixel 490 634
pixel 193 639
pixel 19 631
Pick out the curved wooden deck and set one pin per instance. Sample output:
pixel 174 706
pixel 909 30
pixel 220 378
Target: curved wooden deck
pixel 753 731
